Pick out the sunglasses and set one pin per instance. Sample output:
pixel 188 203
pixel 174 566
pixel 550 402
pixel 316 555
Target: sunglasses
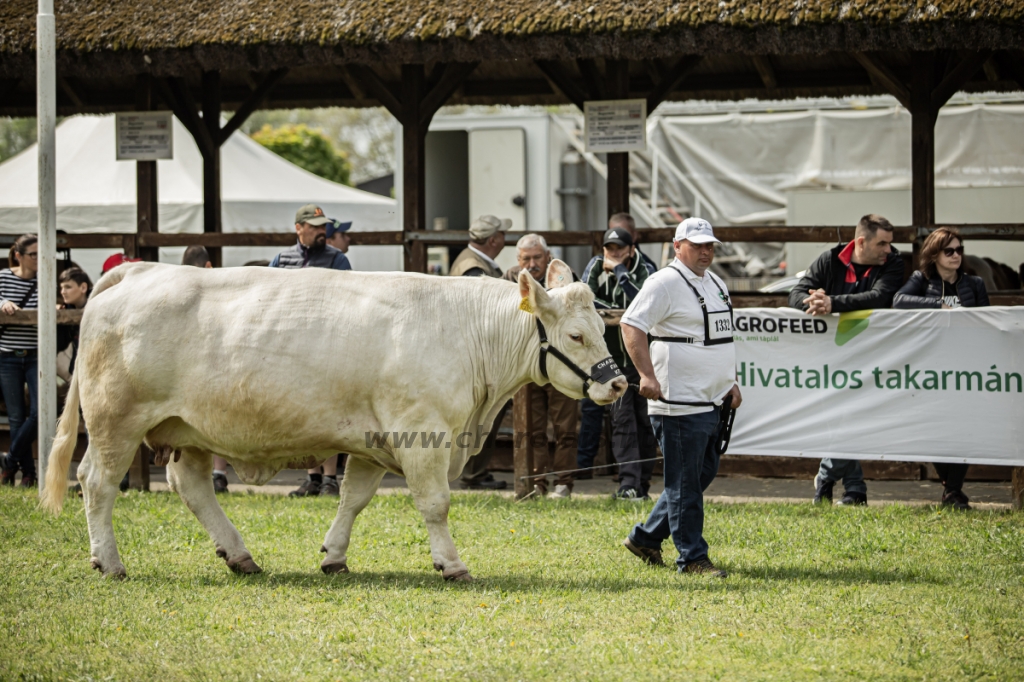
pixel 32 254
pixel 948 252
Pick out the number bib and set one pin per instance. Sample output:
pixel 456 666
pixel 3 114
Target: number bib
pixel 719 326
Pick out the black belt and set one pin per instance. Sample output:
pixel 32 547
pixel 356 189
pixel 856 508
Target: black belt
pixel 17 353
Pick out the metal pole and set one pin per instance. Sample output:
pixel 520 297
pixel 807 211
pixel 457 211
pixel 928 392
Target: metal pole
pixel 46 117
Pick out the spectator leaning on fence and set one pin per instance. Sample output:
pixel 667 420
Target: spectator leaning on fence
pixel 616 279
pixel 687 373
pixel 942 283
pixel 19 290
pixel 197 256
pixel 861 275
pixel 486 240
pixel 533 255
pixel 338 236
pixel 592 414
pixel 311 250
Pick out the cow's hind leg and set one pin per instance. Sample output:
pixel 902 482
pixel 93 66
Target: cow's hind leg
pixel 429 487
pixel 357 489
pixel 99 474
pixel 192 478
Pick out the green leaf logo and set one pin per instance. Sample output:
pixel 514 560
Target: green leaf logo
pixel 850 325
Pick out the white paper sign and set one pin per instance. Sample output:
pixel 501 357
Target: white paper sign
pixel 904 385
pixel 618 125
pixel 144 136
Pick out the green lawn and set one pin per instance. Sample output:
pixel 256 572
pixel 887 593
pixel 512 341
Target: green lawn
pixel 881 593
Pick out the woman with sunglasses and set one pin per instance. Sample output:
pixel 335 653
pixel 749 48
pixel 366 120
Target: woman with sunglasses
pixel 942 283
pixel 18 362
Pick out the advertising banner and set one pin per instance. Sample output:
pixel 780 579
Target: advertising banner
pixel 908 385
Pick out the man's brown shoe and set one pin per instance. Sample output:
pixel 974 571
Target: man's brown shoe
pixel 704 567
pixel 647 555
pixel 28 481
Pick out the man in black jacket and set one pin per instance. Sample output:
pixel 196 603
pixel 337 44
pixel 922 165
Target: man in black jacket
pixel 861 275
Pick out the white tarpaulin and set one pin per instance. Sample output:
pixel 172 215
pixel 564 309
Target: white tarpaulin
pixel 736 167
pixel 909 385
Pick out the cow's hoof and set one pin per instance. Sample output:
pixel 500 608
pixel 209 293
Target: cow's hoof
pixel 244 566
pixel 332 567
pixel 438 567
pixel 117 573
pixel 460 577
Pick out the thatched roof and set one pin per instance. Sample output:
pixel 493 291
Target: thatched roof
pixel 799 47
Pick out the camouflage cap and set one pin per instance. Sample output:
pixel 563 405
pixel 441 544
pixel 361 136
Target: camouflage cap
pixel 312 214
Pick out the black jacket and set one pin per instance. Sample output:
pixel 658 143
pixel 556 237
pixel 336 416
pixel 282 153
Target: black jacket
pixel 829 273
pixel 922 292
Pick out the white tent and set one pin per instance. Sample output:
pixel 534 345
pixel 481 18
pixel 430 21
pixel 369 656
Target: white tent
pixel 260 193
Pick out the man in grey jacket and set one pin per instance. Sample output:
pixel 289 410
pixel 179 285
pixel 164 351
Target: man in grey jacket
pixel 311 250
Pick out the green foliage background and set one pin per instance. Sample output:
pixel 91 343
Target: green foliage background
pixel 306 148
pixel 15 135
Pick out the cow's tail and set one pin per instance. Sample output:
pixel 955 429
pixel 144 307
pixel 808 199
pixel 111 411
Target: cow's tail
pixel 63 449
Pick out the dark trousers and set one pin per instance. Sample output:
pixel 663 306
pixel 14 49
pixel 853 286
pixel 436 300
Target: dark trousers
pixel 846 470
pixel 952 475
pixel 633 438
pixel 476 468
pixel 15 373
pixel 688 443
pixel 591 424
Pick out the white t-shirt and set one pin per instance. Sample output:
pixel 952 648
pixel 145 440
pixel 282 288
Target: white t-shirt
pixel 692 372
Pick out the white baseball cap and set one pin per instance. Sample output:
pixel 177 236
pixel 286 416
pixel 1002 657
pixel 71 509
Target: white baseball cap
pixel 696 230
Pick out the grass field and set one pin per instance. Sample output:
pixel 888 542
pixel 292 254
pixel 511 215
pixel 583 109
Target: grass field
pixel 880 593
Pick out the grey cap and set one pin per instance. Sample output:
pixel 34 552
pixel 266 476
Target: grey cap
pixel 312 214
pixel 486 225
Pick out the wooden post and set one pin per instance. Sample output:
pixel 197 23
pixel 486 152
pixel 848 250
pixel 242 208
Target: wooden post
pixel 138 474
pixel 618 163
pixel 922 144
pixel 414 206
pixel 211 160
pixel 522 448
pixel 146 200
pixel 1017 487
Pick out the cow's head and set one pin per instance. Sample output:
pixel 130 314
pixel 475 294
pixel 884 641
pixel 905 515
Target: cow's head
pixel 573 327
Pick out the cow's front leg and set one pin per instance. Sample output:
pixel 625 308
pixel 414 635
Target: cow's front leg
pixel 357 489
pixel 192 478
pixel 429 487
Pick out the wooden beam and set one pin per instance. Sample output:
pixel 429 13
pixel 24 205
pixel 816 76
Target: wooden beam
pixel 30 318
pixel 211 160
pixel 617 71
pixel 414 208
pixel 522 447
pixel 922 139
pixel 352 83
pixel 885 78
pixel 191 120
pixel 1017 488
pixel 963 72
pixel 389 238
pixel 68 90
pixel 592 77
pixel 147 207
pixel 447 84
pixel 8 86
pixel 561 81
pixel 671 80
pixel 1012 65
pixel 764 68
pixel 373 84
pixel 254 102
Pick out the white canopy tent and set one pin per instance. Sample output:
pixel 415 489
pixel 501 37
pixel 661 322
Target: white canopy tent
pixel 260 193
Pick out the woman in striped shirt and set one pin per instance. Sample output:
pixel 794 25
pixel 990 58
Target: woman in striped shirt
pixel 18 361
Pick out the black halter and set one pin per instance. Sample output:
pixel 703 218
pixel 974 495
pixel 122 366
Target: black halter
pixel 602 372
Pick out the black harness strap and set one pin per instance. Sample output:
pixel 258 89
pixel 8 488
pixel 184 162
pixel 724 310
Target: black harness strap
pixel 545 347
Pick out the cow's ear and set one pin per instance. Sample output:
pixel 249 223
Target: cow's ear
pixel 535 299
pixel 559 275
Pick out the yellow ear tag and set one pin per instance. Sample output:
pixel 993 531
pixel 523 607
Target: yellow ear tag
pixel 525 306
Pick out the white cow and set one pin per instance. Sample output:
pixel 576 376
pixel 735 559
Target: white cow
pixel 275 369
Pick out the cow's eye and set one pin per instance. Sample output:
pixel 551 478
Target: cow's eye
pixel 578 338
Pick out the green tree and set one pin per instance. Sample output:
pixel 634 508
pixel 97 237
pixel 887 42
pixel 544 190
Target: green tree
pixel 306 148
pixel 15 135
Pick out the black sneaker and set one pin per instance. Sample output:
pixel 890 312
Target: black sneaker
pixel 330 487
pixel 628 494
pixel 220 483
pixel 6 475
pixel 704 567
pixel 649 556
pixel 309 488
pixel 955 499
pixel 486 483
pixel 853 500
pixel 822 490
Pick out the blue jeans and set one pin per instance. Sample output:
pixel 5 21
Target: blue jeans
pixel 15 372
pixel 591 424
pixel 847 470
pixel 691 464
